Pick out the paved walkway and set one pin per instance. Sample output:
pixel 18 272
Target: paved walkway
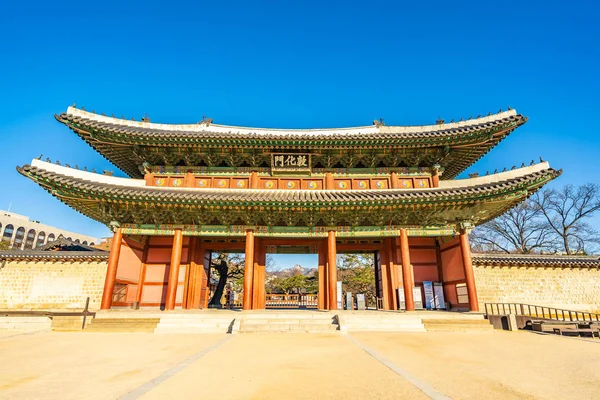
pixel 498 365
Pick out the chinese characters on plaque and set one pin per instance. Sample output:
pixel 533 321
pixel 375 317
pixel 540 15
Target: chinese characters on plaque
pixel 290 162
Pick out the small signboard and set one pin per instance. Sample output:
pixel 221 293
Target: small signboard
pixel 462 293
pixel 401 299
pixel 438 293
pixel 339 295
pixel 360 301
pixel 349 301
pixel 290 162
pixel 418 297
pixel 429 298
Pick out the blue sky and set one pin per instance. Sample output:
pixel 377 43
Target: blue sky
pixel 296 64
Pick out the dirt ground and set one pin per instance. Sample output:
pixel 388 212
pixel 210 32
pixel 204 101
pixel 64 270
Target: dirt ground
pixel 499 365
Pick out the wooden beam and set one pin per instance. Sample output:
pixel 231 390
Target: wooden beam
pixel 329 182
pixel 394 179
pixel 253 180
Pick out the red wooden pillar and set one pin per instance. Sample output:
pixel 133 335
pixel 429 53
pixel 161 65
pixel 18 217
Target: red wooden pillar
pixel 392 274
pixel 174 270
pixel 465 248
pixel 249 270
pixel 385 277
pixel 190 276
pixel 407 274
pixel 332 270
pixel 203 265
pixel 323 302
pixel 258 287
pixel 111 271
pixel 142 277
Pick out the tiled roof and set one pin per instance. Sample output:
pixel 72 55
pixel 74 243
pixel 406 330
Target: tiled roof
pixel 64 244
pixel 107 199
pixel 37 255
pixel 128 144
pixel 149 130
pixel 474 188
pixel 538 260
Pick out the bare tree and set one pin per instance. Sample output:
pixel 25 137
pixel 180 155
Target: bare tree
pixel 523 229
pixel 567 211
pixel 228 266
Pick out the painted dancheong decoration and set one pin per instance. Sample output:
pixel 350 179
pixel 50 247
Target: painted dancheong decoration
pixel 196 188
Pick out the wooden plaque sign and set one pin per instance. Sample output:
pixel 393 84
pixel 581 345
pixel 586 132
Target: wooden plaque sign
pixel 290 162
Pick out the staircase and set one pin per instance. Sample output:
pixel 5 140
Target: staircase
pixel 196 323
pixel 380 322
pixel 289 322
pixel 474 323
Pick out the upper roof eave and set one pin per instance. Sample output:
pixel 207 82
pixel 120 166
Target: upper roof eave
pixel 205 130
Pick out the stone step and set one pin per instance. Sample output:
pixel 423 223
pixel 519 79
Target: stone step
pixel 381 321
pixel 456 322
pixel 126 320
pixel 120 329
pixel 288 328
pixel 122 325
pixel 468 325
pixel 460 329
pixel 195 320
pixel 177 330
pixel 27 326
pixel 24 320
pixel 26 323
pixel 289 315
pixel 384 327
pixel 287 321
pixel 224 325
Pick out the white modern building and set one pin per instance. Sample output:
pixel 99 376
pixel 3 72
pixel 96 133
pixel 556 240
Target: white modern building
pixel 23 233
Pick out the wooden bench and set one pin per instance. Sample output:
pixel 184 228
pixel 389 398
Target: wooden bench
pixel 538 326
pixel 560 330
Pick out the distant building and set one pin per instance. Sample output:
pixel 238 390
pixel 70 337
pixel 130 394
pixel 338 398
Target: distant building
pixel 23 233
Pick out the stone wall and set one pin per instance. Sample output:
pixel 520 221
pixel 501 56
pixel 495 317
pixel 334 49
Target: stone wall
pixel 569 288
pixel 46 285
